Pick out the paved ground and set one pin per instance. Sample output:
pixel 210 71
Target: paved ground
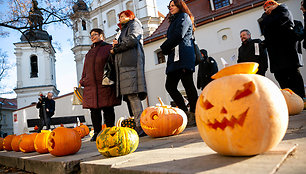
pixel 184 153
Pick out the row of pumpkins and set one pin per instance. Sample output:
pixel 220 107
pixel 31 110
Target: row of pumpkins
pixel 59 142
pixel 239 114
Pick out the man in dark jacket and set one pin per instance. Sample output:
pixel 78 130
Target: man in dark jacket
pixel 277 26
pixel 46 107
pixel 207 68
pixel 251 50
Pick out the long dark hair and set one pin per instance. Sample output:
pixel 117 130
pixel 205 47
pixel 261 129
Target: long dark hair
pixel 184 8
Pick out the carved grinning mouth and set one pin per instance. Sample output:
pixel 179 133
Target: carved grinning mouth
pixel 231 123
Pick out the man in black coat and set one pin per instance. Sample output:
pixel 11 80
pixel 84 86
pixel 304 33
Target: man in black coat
pixel 251 50
pixel 277 27
pixel 207 68
pixel 46 106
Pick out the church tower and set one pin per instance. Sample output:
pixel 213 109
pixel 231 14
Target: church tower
pixel 35 61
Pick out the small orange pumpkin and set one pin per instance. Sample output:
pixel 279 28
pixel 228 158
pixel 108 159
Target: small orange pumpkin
pixel 241 114
pixel 27 143
pixel 86 128
pixel 81 131
pixel 64 141
pixel 163 120
pixel 294 102
pixel 41 141
pixel 1 143
pixel 15 142
pixel 7 142
pixel 36 127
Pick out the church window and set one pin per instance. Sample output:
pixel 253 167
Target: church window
pixel 83 25
pixel 217 4
pixel 111 18
pixel 129 6
pixel 160 57
pixel 34 67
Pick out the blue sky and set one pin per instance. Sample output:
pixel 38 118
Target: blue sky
pixel 65 64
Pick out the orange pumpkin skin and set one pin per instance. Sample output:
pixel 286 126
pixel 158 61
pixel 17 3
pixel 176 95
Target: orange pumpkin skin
pixel 27 143
pixel 85 128
pixel 294 102
pixel 81 131
pixel 241 115
pixel 1 143
pixel 15 142
pixel 64 141
pixel 161 121
pixel 7 141
pixel 41 141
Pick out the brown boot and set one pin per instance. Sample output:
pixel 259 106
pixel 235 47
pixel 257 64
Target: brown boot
pixel 191 119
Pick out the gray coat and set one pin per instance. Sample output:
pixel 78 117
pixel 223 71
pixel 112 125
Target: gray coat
pixel 130 60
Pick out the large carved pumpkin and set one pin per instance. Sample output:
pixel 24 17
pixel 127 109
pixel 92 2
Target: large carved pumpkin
pixel 7 142
pixel 163 120
pixel 27 143
pixel 1 143
pixel 15 142
pixel 117 141
pixel 64 141
pixel 241 114
pixel 41 141
pixel 294 102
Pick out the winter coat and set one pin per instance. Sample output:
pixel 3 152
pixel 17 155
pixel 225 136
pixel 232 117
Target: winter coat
pixel 179 34
pixel 49 104
pixel 246 53
pixel 207 68
pixel 280 39
pixel 130 60
pixel 95 95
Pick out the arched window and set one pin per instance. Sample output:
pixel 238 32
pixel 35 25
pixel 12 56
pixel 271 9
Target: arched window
pixel 129 6
pixel 83 25
pixel 111 18
pixel 34 66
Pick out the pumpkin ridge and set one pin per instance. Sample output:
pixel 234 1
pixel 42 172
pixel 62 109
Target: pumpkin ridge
pixel 231 123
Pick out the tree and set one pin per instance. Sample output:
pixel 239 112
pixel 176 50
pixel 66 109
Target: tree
pixel 19 13
pixel 4 67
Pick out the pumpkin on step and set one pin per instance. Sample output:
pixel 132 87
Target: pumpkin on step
pixel 117 141
pixel 41 141
pixel 27 143
pixel 1 143
pixel 294 102
pixel 85 128
pixel 15 142
pixel 64 141
pixel 81 131
pixel 241 114
pixel 7 141
pixel 163 120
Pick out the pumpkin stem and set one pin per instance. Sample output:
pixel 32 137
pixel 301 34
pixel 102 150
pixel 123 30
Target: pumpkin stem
pixel 160 101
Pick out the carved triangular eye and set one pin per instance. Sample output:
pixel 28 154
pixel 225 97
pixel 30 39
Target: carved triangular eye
pixel 207 105
pixel 249 88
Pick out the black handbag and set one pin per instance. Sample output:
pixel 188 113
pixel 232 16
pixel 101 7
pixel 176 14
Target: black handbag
pixel 198 56
pixel 109 75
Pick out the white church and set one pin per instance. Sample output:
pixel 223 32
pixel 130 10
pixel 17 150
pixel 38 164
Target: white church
pixel 218 26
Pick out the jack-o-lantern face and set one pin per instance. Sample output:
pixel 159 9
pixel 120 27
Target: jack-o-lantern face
pixel 241 114
pixel 117 141
pixel 163 120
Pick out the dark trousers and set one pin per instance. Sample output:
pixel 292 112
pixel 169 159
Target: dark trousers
pixel 186 77
pixel 43 123
pixel 292 79
pixel 96 118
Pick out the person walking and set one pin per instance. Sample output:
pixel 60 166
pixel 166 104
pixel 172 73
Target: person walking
pixel 207 68
pixel 251 50
pixel 46 106
pixel 179 47
pixel 96 97
pixel 129 63
pixel 277 26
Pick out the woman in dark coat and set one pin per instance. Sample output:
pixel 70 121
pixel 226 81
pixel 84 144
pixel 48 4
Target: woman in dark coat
pixel 181 57
pixel 97 97
pixel 129 63
pixel 277 26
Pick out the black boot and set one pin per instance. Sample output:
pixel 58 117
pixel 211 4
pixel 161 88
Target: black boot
pixel 94 137
pixel 191 119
